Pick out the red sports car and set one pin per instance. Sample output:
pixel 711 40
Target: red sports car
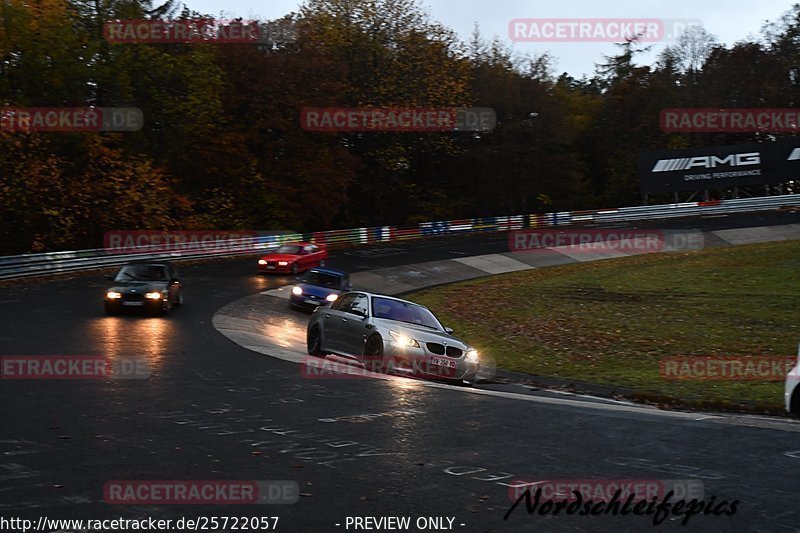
pixel 293 258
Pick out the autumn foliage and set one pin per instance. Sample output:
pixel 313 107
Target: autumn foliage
pixel 222 145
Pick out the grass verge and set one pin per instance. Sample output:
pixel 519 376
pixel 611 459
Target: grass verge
pixel 611 322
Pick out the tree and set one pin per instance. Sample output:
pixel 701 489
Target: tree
pixel 692 48
pixel 390 55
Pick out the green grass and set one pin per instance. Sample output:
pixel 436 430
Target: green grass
pixel 611 322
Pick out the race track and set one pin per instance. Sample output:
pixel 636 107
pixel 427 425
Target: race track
pixel 213 409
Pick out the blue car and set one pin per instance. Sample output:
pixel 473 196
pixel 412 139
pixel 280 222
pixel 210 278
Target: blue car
pixel 319 286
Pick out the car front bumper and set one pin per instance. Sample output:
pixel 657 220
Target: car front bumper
pixel 305 301
pixel 128 305
pixel 427 365
pixel 268 269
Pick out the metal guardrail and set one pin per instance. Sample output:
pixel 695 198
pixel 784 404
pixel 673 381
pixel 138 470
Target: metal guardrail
pixel 697 208
pixel 19 266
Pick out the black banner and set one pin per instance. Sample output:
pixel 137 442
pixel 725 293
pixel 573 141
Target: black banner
pixel 717 167
pixel 789 153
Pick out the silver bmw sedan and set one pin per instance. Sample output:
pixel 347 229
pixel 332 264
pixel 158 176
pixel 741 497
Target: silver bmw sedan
pixel 390 335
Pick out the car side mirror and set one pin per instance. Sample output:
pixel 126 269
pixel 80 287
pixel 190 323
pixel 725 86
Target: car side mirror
pixel 109 277
pixel 448 330
pixel 174 281
pixel 362 314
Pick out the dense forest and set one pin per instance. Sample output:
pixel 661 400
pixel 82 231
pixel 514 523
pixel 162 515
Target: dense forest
pixel 222 145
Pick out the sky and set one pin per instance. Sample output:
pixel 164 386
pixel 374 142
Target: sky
pixel 729 21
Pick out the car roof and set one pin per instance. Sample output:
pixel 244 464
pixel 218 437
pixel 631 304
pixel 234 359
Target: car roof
pixel 376 295
pixel 148 263
pixel 332 271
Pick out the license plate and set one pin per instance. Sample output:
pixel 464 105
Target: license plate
pixel 441 361
pixel 270 267
pixel 310 301
pixel 133 304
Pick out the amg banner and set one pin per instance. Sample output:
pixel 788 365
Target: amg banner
pixel 789 154
pixel 719 167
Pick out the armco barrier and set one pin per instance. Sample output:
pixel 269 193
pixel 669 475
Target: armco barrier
pixel 61 262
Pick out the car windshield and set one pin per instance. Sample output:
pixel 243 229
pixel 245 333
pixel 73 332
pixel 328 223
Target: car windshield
pixel 142 273
pixel 322 279
pixel 291 249
pixel 404 312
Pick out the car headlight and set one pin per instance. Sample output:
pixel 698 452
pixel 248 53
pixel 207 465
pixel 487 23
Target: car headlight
pixel 283 263
pixel 332 297
pixel 403 340
pixel 153 295
pixel 472 357
pixel 113 295
pixel 297 290
pixel 262 262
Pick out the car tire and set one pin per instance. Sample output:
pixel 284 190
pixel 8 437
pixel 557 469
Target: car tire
pixel 373 358
pixel 294 268
pixel 322 262
pixel 795 403
pixel 314 342
pixel 179 301
pixel 110 309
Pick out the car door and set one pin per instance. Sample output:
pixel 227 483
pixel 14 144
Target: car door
pixel 353 324
pixel 313 256
pixel 165 276
pixel 321 253
pixel 174 288
pixel 332 322
pixel 306 257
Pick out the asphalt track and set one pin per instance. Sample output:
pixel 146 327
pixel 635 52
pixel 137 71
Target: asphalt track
pixel 357 447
